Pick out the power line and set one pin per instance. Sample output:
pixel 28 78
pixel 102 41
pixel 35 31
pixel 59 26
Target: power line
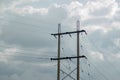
pixel 36 57
pixel 24 51
pixel 27 22
pixel 106 59
pixel 98 71
pixel 14 18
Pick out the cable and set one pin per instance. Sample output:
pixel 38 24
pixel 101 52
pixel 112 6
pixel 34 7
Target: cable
pixel 29 51
pixel 36 57
pixel 96 48
pixel 108 62
pixel 26 22
pixel 27 18
pixel 101 74
pixel 98 70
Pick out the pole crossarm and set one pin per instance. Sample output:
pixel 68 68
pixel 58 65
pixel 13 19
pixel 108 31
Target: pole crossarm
pixel 64 33
pixel 62 58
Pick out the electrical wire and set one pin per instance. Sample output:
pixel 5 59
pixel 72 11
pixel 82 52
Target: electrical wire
pixel 36 57
pixel 13 18
pixel 81 67
pixel 108 62
pixel 29 51
pixel 98 70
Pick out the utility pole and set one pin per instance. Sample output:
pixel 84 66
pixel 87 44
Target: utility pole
pixel 78 51
pixel 78 31
pixel 58 66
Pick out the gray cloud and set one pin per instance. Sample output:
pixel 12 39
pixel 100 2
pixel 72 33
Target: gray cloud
pixel 31 32
pixel 101 12
pixel 28 32
pixel 13 71
pixel 105 42
pixel 97 21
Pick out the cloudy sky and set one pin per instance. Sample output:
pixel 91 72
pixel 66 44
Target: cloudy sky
pixel 26 44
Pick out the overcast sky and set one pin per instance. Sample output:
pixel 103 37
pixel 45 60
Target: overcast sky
pixel 26 44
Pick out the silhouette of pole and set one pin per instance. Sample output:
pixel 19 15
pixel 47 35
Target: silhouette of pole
pixel 58 64
pixel 78 51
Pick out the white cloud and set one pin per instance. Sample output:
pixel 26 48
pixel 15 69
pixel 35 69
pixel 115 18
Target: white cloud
pixel 30 10
pixel 115 25
pixel 6 54
pixel 117 55
pixel 117 42
pixel 103 29
pixel 92 9
pixel 27 32
pixel 97 55
pixel 77 9
pixel 24 9
pixel 19 2
pixel 10 5
pixel 106 8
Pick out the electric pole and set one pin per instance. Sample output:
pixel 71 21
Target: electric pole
pixel 58 72
pixel 78 31
pixel 78 51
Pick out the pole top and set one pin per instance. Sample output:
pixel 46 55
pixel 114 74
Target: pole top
pixel 78 25
pixel 59 28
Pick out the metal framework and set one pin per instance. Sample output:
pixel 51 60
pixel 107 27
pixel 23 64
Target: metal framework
pixel 74 57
